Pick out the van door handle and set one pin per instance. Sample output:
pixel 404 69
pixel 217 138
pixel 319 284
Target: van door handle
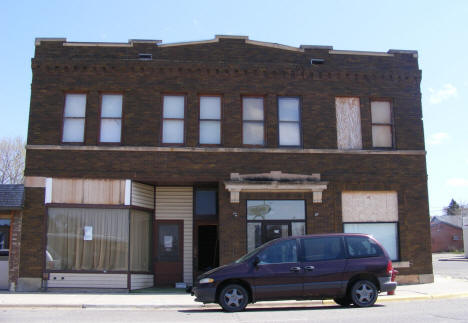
pixel 309 268
pixel 296 269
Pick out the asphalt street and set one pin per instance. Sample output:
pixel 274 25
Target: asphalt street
pixel 444 310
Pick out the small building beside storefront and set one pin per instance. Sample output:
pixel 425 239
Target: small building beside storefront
pixel 11 207
pixel 150 163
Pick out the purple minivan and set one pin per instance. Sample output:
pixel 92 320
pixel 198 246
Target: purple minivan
pixel 350 268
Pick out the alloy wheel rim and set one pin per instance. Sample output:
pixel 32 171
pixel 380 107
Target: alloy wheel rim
pixel 365 294
pixel 233 297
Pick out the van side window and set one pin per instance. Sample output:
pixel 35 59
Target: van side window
pixel 281 252
pixel 360 247
pixel 317 249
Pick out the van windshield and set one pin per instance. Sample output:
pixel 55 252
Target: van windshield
pixel 248 255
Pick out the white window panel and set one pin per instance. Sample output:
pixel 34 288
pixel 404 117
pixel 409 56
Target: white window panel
pixel 348 122
pixel 385 233
pixel 75 106
pixel 381 112
pixel 210 132
pixel 369 206
pixel 210 107
pixel 289 134
pixel 173 131
pixel 111 130
pixel 111 106
pixel 252 109
pixel 73 129
pixel 174 106
pixel 297 228
pixel 253 133
pixel 381 136
pixel 288 109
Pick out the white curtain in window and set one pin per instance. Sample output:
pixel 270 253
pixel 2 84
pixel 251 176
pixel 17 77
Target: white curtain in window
pixel 381 112
pixel 253 133
pixel 252 109
pixel 173 106
pixel 210 107
pixel 111 106
pixel 289 134
pixel 75 105
pixel 381 136
pixel 348 123
pixel 73 129
pixel 173 131
pixel 288 109
pixel 140 240
pixel 111 130
pixel 385 233
pixel 210 132
pixel 105 248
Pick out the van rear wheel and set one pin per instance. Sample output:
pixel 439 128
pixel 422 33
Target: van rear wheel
pixel 363 293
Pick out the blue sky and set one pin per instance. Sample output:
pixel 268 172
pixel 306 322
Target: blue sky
pixel 437 29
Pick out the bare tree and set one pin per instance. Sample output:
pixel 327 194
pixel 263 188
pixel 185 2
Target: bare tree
pixel 12 155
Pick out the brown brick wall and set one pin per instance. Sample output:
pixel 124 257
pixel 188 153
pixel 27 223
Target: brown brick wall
pixel 15 246
pixel 32 234
pixel 442 237
pixel 232 68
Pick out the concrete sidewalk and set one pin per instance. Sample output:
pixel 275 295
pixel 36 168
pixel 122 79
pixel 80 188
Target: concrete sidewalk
pixel 443 287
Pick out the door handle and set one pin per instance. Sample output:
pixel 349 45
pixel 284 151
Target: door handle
pixel 295 269
pixel 309 268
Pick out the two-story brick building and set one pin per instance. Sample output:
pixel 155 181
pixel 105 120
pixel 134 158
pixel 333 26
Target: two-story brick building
pixel 148 163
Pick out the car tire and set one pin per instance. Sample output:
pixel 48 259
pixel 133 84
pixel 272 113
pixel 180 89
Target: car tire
pixel 363 293
pixel 233 298
pixel 343 301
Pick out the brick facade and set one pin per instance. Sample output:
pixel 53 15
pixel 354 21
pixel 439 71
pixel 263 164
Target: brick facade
pixel 231 68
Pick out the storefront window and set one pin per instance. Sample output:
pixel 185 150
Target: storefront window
pixel 272 219
pixel 90 239
pixel 4 237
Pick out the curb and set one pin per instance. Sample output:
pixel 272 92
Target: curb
pixel 383 299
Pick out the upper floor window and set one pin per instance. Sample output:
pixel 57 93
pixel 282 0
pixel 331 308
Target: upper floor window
pixel 289 121
pixel 382 134
pixel 111 118
pixel 210 120
pixel 348 123
pixel 173 119
pixel 74 117
pixel 252 121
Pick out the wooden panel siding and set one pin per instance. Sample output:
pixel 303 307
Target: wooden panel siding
pixel 142 195
pixel 78 280
pixel 370 206
pixel 176 203
pixel 88 191
pixel 139 281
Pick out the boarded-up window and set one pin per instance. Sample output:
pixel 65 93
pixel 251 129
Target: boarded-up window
pixel 348 123
pixel 381 124
pixel 370 206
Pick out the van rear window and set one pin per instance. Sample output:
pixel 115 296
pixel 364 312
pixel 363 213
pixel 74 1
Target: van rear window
pixel 361 247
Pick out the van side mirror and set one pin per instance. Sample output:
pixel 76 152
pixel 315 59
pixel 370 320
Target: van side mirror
pixel 256 261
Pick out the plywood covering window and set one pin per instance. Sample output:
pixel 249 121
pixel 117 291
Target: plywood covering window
pixel 74 118
pixel 253 121
pixel 382 129
pixel 289 121
pixel 173 119
pixel 210 120
pixel 348 123
pixel 111 118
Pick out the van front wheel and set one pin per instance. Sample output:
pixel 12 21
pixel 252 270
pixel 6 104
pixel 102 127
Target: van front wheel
pixel 233 298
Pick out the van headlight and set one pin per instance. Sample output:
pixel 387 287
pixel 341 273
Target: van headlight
pixel 206 280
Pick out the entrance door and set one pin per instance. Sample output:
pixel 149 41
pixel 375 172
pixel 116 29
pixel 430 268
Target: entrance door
pixel 168 265
pixel 4 252
pixel 275 231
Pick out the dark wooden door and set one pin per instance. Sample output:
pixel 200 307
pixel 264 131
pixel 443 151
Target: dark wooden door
pixel 169 241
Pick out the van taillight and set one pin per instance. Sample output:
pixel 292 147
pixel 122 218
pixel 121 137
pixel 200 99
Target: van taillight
pixel 389 267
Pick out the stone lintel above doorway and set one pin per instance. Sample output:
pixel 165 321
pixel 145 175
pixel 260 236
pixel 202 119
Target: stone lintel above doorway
pixel 275 181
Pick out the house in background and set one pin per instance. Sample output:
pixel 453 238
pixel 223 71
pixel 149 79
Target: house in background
pixel 148 163
pixel 11 207
pixel 446 233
